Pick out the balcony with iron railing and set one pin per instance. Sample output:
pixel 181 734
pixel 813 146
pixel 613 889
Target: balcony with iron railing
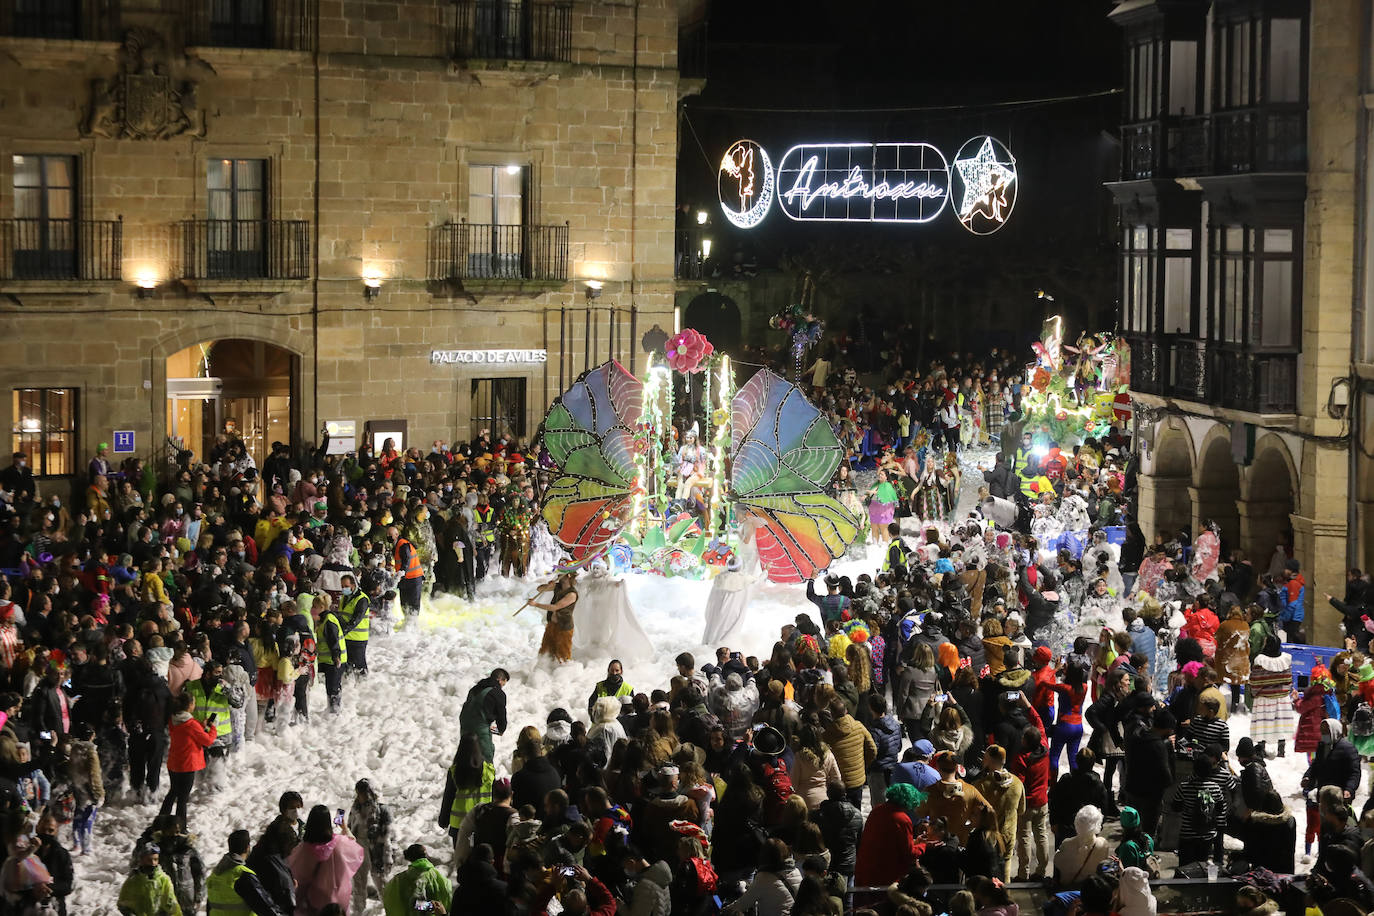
pixel 533 30
pixel 469 253
pixel 1207 372
pixel 1270 138
pixel 275 24
pixel 88 20
pixel 245 250
pixel 61 249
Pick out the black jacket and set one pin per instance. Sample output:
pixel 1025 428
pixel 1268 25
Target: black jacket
pixel 59 863
pixel 148 703
pixel 1337 765
pixel 1073 791
pixel 482 891
pixel 841 825
pixel 274 876
pixel 537 778
pixel 1151 771
pixel 253 892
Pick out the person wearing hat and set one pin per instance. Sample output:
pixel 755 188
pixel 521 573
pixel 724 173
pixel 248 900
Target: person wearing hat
pixel 888 847
pixel 832 605
pixel 915 768
pixel 148 889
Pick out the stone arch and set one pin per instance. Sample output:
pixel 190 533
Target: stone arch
pixel 280 332
pixel 1216 490
pixel 718 317
pixel 1270 488
pixel 1165 501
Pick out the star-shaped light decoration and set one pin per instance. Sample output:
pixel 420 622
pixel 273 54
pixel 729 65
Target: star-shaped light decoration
pixel 986 182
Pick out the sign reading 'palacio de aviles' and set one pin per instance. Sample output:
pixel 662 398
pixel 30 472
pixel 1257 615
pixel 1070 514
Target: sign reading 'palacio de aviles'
pixel 870 183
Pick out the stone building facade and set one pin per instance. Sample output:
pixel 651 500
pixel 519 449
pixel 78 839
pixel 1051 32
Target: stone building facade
pixel 263 217
pixel 1243 207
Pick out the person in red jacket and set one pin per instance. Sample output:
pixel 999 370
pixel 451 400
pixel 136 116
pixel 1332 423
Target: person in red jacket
pixel 186 754
pixel 888 846
pixel 1043 679
pixel 1032 766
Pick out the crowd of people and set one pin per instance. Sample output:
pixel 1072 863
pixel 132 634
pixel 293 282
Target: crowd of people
pixel 1015 674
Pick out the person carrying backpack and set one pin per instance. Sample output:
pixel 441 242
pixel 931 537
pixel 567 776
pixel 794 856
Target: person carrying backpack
pixel 1203 806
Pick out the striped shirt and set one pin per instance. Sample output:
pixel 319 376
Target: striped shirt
pixel 1208 732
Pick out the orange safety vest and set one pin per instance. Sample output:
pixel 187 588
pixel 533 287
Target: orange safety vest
pixel 413 570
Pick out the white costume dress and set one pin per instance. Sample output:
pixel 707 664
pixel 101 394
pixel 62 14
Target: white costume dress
pixel 726 606
pixel 604 620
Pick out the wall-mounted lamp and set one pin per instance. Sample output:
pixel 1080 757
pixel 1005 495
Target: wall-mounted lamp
pixel 701 217
pixel 1041 294
pixel 145 285
pixel 593 290
pixel 372 286
pixel 705 249
pixel 513 169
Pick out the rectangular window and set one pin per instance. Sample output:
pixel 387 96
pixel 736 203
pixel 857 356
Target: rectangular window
pixel 1183 77
pixel 45 217
pixel 1178 281
pixel 1235 65
pixel 236 197
pixel 1144 95
pixel 1285 60
pixel 1276 293
pixel 45 429
pixel 1229 308
pixel 46 18
pixel 239 23
pixel 496 219
pixel 498 406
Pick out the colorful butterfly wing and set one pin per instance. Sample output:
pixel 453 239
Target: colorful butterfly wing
pixel 783 456
pixel 589 433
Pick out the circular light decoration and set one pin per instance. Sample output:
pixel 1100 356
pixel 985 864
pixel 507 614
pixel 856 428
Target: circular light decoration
pixel 984 184
pixel 745 184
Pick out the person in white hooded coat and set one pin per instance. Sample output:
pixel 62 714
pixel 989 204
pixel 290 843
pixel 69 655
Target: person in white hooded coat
pixel 606 730
pixel 1134 893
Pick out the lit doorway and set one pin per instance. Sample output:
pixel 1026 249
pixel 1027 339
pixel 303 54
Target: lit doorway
pixel 239 389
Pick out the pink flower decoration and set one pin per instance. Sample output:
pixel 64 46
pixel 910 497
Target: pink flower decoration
pixel 687 350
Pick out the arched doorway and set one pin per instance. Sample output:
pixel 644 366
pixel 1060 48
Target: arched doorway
pixel 1165 504
pixel 1268 505
pixel 718 318
pixel 1218 491
pixel 234 387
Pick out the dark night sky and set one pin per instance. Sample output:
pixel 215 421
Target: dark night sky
pixel 863 54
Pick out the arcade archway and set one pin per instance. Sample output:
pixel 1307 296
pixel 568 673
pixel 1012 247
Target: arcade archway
pixel 234 387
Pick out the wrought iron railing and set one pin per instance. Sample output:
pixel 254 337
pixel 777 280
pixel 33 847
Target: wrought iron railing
pixel 1145 364
pixel 1188 146
pixel 1140 150
pixel 280 24
pixel 1258 381
pixel 483 251
pixel 1266 139
pixel 68 19
pixel 1188 376
pixel 256 249
pixel 1225 375
pixel 61 249
pixel 513 30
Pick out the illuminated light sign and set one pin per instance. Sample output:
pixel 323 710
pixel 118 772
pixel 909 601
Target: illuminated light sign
pixel 863 182
pixel 871 183
pixel 985 180
pixel 486 357
pixel 745 184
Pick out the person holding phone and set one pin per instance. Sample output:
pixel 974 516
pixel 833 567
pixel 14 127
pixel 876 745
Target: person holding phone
pixel 325 861
pixel 186 756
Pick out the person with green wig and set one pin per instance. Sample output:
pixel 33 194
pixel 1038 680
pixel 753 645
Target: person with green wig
pixel 888 846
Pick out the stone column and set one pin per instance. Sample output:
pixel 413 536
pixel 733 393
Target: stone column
pixel 1163 504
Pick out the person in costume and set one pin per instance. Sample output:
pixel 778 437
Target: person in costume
pixel 882 506
pixel 559 616
pixel 605 621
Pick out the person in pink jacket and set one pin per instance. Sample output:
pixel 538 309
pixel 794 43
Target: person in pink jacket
pixel 323 864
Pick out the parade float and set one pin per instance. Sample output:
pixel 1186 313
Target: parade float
pixel 763 458
pixel 1073 392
